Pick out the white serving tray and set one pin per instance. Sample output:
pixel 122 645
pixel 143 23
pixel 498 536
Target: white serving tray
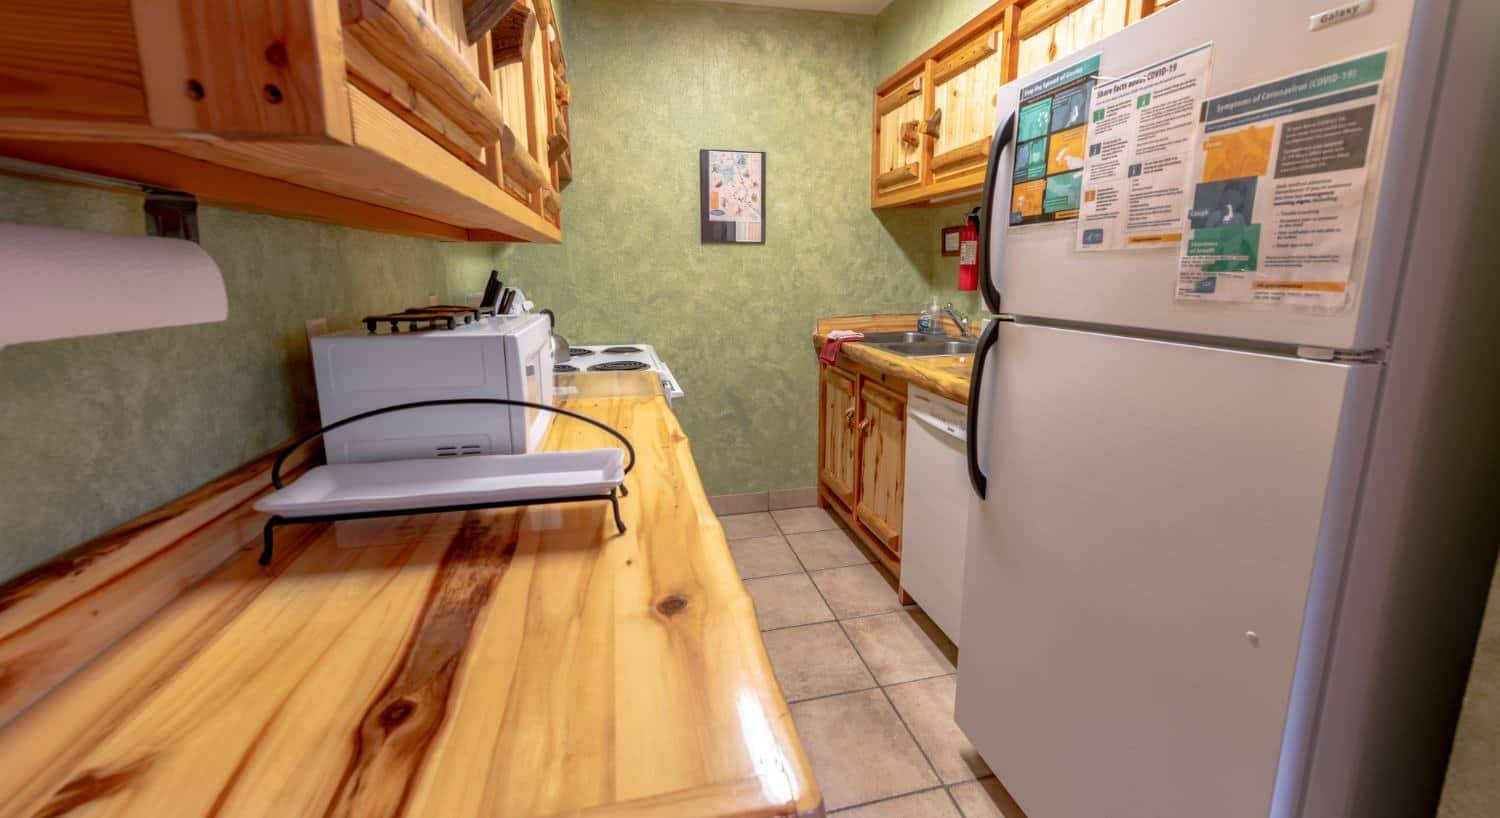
pixel 352 488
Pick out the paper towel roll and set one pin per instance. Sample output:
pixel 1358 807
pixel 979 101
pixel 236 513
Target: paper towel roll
pixel 57 283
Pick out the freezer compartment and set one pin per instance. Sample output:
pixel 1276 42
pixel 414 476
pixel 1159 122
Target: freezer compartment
pixel 1136 581
pixel 1038 272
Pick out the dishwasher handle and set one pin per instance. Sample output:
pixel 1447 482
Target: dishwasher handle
pixel 977 478
pixel 938 425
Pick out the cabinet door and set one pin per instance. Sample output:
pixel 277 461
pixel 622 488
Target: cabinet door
pixel 965 83
pixel 1050 31
pixel 836 460
pixel 882 465
pixel 898 137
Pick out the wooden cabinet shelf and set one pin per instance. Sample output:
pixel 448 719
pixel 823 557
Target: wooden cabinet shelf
pixel 383 114
pixel 934 120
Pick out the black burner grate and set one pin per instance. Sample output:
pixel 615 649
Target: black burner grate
pixel 564 368
pixel 579 352
pixel 623 350
pixel 418 319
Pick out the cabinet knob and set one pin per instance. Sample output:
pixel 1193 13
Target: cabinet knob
pixel 864 427
pixel 933 125
pixel 849 417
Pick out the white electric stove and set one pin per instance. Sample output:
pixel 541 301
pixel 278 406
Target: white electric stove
pixel 621 358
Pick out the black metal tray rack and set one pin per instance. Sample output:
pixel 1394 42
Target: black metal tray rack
pixel 613 497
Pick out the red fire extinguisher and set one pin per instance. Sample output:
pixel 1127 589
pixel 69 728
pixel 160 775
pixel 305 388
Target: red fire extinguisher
pixel 968 253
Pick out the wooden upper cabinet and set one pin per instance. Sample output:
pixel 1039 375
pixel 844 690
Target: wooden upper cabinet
pixel 935 119
pixel 528 70
pixel 965 82
pixel 899 115
pixel 1051 30
pixel 383 114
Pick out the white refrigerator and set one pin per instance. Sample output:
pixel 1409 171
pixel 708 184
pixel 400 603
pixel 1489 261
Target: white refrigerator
pixel 1187 592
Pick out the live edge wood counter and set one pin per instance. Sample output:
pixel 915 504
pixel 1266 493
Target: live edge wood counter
pixel 521 662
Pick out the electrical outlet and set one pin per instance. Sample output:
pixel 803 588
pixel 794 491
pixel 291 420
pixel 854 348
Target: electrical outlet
pixel 316 327
pixel 432 299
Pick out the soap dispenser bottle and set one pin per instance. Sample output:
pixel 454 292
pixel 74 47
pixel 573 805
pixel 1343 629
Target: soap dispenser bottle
pixel 930 318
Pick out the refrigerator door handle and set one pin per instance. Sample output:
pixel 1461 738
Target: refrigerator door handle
pixel 986 211
pixel 976 381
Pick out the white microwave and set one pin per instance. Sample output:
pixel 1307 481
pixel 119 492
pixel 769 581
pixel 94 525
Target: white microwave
pixel 508 356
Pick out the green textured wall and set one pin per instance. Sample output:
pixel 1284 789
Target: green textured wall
pixel 653 82
pixel 908 27
pixel 98 430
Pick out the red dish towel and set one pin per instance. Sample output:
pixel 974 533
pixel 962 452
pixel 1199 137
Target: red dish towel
pixel 836 339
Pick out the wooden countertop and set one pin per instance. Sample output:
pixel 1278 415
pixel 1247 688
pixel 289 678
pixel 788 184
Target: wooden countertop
pixel 521 662
pixel 947 375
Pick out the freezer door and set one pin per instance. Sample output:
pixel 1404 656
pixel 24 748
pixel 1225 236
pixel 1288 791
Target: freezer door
pixel 1136 581
pixel 1037 271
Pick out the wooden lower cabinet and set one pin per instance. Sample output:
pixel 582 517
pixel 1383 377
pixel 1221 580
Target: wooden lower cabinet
pixel 862 454
pixel 838 454
pixel 882 458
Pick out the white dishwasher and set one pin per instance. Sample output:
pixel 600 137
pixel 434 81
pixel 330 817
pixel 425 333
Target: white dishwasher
pixel 935 515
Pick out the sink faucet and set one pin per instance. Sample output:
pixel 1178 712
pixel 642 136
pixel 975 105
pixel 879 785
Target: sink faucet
pixel 958 318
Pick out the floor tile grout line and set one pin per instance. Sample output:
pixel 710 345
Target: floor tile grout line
pixel 962 813
pixel 878 685
pixel 943 785
pixel 822 696
pixel 781 574
pixel 893 798
pixel 894 709
pixel 957 807
pixel 866 665
pixel 836 618
pixel 802 625
pixel 814 583
pixel 914 681
pixel 914 739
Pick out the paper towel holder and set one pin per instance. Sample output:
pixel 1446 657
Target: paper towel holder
pixel 171 214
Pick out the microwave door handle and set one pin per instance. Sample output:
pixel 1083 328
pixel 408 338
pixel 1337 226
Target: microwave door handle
pixel 998 153
pixel 987 340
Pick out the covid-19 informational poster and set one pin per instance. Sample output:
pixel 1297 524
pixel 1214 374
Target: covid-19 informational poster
pixel 1047 179
pixel 1141 136
pixel 1280 188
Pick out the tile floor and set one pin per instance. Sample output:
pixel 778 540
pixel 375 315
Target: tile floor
pixel 870 682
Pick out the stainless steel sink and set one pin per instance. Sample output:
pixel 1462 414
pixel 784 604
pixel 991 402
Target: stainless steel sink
pixel 927 348
pixel 897 337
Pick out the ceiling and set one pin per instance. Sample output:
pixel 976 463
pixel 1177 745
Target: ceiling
pixel 845 6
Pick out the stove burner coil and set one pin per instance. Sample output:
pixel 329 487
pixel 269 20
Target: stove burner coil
pixel 619 366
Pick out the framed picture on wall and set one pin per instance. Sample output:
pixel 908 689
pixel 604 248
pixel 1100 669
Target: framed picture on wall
pixel 732 197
